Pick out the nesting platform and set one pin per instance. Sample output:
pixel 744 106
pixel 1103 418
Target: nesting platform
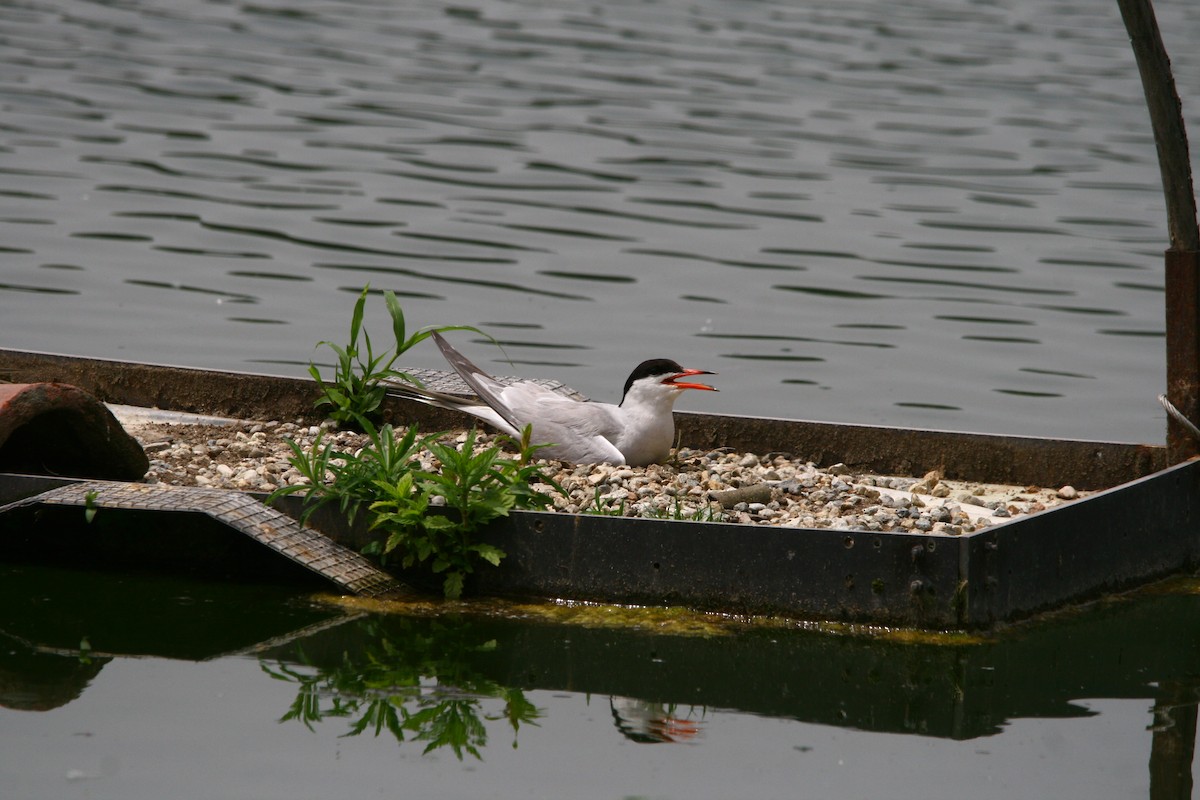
pixel 1142 524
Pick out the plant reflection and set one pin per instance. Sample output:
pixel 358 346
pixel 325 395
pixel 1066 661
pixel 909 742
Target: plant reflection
pixel 418 687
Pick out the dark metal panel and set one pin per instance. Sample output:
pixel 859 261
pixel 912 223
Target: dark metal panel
pixel 1115 540
pixel 884 578
pixel 1111 541
pixel 1018 460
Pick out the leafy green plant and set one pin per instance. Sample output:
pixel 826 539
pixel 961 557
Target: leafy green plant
pixel 357 389
pixel 471 489
pixel 350 480
pixel 387 476
pixel 475 488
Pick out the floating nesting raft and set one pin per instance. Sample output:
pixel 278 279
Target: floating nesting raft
pixel 240 512
pixel 1140 524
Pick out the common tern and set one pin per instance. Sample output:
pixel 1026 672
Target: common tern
pixel 638 431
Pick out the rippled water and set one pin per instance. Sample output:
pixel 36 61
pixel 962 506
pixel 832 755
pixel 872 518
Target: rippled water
pixel 924 213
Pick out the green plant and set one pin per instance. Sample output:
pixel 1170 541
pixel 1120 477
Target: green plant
pixel 353 479
pixel 677 510
pixel 357 389
pixel 89 506
pixel 475 488
pixel 386 477
pixel 598 508
pixel 680 512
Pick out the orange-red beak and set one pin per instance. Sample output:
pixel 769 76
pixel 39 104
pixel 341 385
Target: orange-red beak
pixel 674 380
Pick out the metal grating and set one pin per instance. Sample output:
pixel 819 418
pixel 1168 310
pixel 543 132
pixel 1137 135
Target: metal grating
pixel 241 512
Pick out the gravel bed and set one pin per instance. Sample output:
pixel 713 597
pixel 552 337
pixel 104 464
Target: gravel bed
pixel 716 485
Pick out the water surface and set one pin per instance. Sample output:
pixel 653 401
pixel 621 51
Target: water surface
pixel 918 213
pixel 300 697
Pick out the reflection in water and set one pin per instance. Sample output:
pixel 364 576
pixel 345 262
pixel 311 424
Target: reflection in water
pixel 41 681
pixel 415 684
pixel 652 723
pixel 60 627
pixel 447 679
pixel 1173 746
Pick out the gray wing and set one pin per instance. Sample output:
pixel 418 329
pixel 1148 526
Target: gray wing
pixel 580 432
pixel 468 405
pixel 483 384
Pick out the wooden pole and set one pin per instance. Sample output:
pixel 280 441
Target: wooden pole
pixel 1183 256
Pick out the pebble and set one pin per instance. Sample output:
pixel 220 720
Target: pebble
pixel 712 485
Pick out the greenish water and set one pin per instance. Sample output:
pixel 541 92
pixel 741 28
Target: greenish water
pixel 131 686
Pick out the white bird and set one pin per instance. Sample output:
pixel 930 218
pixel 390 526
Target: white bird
pixel 638 431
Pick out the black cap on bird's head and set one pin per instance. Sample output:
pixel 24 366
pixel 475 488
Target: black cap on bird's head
pixel 668 373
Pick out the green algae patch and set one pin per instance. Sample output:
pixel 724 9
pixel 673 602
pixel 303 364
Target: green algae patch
pixel 664 620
